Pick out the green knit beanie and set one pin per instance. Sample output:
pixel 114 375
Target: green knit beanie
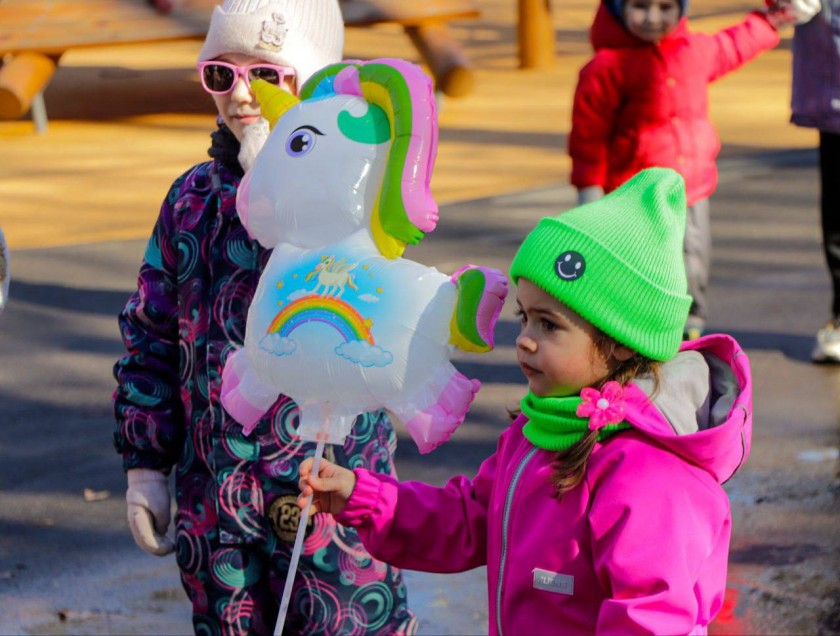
pixel 618 262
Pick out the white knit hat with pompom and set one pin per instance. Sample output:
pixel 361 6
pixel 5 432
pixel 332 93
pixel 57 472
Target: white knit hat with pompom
pixel 306 35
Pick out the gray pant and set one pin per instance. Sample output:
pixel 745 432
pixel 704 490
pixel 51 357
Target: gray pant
pixel 697 252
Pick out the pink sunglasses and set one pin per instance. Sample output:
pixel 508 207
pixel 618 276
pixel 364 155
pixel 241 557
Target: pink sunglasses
pixel 219 78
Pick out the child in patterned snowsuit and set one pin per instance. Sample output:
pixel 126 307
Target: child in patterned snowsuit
pixel 236 513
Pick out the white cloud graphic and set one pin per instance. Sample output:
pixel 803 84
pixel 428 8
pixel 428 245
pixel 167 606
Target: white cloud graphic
pixel 369 298
pixel 364 353
pixel 278 345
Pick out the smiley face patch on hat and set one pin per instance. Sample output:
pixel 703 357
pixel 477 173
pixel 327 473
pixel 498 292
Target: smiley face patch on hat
pixel 570 265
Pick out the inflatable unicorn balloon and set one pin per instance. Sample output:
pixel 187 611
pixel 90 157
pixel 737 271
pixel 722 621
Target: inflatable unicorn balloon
pixel 340 322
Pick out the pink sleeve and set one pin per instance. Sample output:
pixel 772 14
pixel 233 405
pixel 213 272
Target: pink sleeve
pixel 422 527
pixel 734 46
pixel 660 539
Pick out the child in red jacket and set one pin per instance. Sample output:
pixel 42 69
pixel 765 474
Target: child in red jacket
pixel 642 101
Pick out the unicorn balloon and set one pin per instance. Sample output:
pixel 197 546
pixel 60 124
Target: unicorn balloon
pixel 340 322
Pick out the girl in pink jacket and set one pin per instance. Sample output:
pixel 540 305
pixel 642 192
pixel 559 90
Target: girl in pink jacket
pixel 642 101
pixel 602 510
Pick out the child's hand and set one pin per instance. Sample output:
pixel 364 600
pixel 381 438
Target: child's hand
pixel 147 498
pixel 784 12
pixel 804 10
pixel 332 486
pixel 590 194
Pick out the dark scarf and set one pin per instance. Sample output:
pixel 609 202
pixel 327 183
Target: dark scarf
pixel 225 148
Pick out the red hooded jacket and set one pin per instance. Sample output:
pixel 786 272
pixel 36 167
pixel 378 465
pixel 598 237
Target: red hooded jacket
pixel 639 105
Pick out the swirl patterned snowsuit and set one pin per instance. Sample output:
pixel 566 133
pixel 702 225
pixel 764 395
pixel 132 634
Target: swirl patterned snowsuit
pixel 237 516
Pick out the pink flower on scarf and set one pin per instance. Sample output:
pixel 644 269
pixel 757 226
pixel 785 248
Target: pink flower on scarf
pixel 602 407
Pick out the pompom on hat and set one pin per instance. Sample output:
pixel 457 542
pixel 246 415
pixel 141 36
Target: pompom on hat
pixel 306 35
pixel 618 262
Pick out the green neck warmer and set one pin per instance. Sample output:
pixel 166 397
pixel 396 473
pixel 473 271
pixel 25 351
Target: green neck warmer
pixel 554 425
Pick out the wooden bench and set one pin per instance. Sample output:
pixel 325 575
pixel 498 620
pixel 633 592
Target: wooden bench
pixel 425 23
pixel 35 33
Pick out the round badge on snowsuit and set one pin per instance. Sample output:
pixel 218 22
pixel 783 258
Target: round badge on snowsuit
pixel 570 265
pixel 284 515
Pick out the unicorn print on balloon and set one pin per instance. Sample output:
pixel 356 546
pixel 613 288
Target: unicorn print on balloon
pixel 340 322
pixel 332 276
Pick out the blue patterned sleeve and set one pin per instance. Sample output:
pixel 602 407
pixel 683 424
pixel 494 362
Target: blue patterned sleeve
pixel 147 403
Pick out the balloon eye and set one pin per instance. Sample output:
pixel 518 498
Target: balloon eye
pixel 300 143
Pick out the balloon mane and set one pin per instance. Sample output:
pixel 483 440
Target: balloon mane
pixel 410 114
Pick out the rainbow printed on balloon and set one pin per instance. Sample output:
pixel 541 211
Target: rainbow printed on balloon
pixel 333 312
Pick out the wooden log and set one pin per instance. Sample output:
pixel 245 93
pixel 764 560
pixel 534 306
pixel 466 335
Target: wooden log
pixel 22 81
pixel 536 34
pixel 441 53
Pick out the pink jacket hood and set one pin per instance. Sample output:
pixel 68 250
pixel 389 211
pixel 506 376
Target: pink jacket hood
pixel 723 443
pixel 639 547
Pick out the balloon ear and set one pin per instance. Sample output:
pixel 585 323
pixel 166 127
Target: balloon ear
pixel 274 101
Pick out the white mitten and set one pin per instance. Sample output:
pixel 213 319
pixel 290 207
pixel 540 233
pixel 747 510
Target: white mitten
pixel 590 194
pixel 148 510
pixel 253 139
pixel 804 10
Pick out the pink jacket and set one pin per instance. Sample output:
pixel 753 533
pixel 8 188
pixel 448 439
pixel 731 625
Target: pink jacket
pixel 639 547
pixel 639 105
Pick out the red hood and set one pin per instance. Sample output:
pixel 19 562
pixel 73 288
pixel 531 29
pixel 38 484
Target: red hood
pixel 608 32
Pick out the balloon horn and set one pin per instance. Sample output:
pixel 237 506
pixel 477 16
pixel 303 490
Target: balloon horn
pixel 273 100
